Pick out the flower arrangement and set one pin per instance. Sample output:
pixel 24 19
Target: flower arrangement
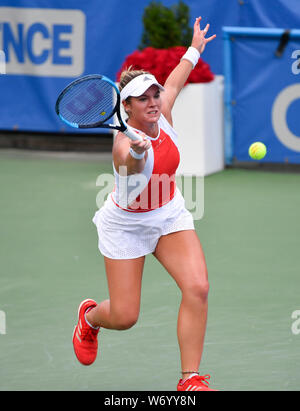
pixel 160 62
pixel 165 39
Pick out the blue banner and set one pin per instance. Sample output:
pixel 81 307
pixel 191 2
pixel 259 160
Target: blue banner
pixel 48 43
pixel 266 96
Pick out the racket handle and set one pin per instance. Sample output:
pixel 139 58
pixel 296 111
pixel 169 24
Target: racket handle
pixel 129 132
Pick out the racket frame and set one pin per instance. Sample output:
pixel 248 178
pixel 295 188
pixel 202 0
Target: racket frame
pixel 123 127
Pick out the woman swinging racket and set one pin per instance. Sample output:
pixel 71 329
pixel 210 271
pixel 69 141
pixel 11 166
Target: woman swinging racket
pixel 153 220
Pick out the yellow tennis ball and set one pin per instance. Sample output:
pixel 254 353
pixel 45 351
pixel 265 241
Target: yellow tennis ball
pixel 257 151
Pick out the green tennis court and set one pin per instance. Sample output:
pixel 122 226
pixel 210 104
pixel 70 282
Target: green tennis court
pixel 50 262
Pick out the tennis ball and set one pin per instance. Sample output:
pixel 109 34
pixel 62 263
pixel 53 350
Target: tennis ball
pixel 257 150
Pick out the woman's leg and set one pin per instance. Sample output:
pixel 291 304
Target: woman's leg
pixel 121 311
pixel 182 256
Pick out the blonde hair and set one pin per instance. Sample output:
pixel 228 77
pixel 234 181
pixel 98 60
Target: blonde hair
pixel 128 75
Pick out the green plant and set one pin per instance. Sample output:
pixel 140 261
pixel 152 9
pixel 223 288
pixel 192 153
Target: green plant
pixel 166 27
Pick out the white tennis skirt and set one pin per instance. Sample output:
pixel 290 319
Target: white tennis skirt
pixel 125 235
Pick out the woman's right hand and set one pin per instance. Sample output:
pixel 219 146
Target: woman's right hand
pixel 140 146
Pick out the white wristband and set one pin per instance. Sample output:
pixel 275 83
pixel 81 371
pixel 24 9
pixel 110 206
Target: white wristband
pixel 136 155
pixel 192 55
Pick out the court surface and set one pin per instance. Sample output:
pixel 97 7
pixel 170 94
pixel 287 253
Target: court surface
pixel 50 262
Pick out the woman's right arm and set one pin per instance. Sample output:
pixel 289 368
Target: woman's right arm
pixel 122 156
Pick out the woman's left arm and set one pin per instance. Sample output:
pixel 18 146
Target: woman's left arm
pixel 181 72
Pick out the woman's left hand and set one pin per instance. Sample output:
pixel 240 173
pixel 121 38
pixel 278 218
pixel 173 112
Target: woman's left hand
pixel 199 41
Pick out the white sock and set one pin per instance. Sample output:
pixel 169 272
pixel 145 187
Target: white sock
pixel 95 328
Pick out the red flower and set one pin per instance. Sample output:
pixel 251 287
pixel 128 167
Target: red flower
pixel 160 62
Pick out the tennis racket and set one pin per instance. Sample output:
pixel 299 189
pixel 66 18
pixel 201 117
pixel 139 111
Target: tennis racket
pixel 90 102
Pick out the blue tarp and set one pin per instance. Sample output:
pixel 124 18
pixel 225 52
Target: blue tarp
pixel 265 93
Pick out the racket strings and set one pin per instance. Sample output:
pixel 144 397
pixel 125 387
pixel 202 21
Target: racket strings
pixel 88 102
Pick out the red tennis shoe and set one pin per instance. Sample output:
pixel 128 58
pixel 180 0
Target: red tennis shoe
pixel 85 340
pixel 195 383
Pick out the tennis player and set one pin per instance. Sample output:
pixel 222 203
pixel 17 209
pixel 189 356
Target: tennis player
pixel 146 214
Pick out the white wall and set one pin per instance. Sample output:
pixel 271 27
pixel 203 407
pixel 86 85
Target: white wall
pixel 199 121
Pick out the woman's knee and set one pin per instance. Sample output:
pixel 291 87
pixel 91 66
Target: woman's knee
pixel 197 290
pixel 123 320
